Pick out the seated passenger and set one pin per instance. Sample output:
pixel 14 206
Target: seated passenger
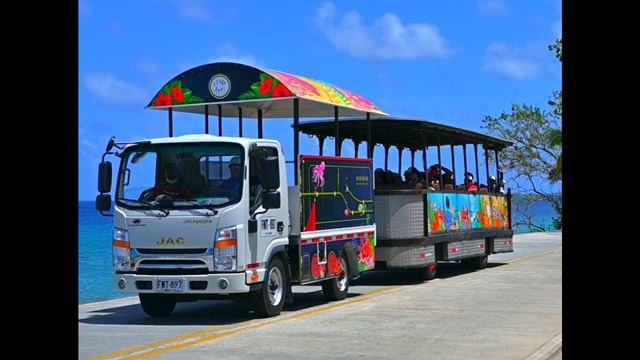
pixel 413 179
pixel 434 184
pixel 192 175
pixel 172 185
pixel 468 182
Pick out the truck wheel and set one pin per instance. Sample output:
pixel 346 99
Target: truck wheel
pixel 479 262
pixel 157 304
pixel 269 300
pixel 427 273
pixel 338 287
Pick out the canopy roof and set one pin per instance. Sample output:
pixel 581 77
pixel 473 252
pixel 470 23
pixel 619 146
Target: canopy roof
pixel 413 134
pixel 233 85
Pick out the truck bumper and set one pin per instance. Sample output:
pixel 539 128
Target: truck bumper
pixel 193 284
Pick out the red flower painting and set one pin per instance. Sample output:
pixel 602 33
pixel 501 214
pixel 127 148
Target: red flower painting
pixel 162 100
pixel 265 86
pixel 177 94
pixel 281 91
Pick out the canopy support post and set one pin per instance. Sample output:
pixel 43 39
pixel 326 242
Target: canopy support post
pixel 337 124
pixel 206 119
pixel 399 160
pixel 386 157
pixel 413 156
pixel 219 120
pixel 321 140
pixel 356 145
pixel 369 144
pixel 453 165
pixel 259 123
pixel 296 138
pixel 475 151
pixel 486 163
pixel 239 121
pixel 464 153
pixel 170 122
pixel 497 170
pixel 440 164
pixel 424 161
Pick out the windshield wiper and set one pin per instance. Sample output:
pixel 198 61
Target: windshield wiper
pixel 205 206
pixel 150 205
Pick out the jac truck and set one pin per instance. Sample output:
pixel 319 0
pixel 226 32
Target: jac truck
pixel 208 216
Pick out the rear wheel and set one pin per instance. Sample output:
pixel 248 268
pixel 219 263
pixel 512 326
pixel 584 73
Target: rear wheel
pixel 157 304
pixel 479 262
pixel 269 300
pixel 427 273
pixel 338 287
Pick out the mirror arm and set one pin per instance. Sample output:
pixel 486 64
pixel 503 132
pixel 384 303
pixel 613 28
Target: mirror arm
pixel 103 214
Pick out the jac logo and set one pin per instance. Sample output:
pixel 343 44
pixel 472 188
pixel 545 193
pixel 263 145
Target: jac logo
pixel 170 241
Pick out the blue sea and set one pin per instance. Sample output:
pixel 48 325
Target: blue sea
pixel 94 251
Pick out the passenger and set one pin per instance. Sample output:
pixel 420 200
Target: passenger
pixel 192 175
pixel 233 184
pixel 501 184
pixel 434 184
pixel 412 178
pixel 468 182
pixel 172 185
pixel 492 186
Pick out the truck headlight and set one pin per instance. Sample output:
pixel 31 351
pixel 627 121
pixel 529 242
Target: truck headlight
pixel 121 250
pixel 225 249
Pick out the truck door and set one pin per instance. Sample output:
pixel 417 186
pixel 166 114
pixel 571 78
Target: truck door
pixel 272 225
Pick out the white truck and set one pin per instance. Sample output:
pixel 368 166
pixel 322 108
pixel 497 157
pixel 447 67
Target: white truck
pixel 212 217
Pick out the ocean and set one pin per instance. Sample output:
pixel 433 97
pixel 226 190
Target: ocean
pixel 95 268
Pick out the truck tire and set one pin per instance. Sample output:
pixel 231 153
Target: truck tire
pixel 269 300
pixel 427 273
pixel 479 262
pixel 338 287
pixel 157 305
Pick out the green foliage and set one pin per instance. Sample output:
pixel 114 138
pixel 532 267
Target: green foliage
pixel 536 156
pixel 557 47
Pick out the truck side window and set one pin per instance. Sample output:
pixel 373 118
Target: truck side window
pixel 255 187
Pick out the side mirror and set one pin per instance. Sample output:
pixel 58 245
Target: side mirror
pixel 103 202
pixel 104 177
pixel 271 200
pixel 111 143
pixel 270 174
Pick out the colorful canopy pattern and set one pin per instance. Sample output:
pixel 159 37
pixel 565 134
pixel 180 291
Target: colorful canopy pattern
pixel 246 85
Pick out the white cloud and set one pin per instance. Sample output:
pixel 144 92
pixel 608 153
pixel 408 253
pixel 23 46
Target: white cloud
pixel 387 38
pixel 492 7
pixel 194 9
pixel 513 63
pixel 226 52
pixel 147 67
pixel 107 87
pixel 557 29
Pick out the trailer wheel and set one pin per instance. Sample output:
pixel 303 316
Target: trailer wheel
pixel 338 287
pixel 157 304
pixel 269 300
pixel 479 262
pixel 427 273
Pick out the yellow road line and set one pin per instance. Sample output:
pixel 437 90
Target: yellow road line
pixel 224 331
pixel 531 256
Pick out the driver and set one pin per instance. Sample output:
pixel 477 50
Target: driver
pixel 172 185
pixel 233 183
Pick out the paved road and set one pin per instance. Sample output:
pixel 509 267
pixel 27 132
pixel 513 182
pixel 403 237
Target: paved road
pixel 511 310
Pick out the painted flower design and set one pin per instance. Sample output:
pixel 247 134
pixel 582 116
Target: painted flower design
pixel 318 175
pixel 268 87
pixel 174 94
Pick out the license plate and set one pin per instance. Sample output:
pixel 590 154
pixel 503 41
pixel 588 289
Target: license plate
pixel 169 285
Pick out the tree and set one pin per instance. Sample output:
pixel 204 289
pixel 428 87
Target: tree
pixel 536 156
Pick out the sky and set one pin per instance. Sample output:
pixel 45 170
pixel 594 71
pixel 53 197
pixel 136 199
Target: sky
pixel 448 62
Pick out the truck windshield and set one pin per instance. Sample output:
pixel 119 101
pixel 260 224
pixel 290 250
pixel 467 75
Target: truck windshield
pixel 182 175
